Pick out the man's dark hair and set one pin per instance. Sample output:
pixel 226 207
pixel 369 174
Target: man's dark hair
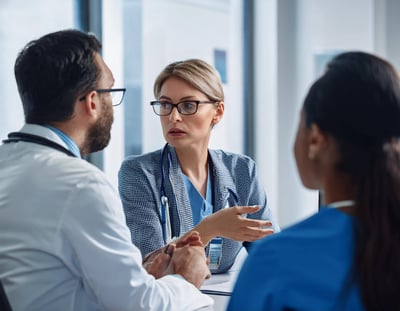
pixel 53 71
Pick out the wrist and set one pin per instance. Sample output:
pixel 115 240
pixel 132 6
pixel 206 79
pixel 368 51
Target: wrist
pixel 206 230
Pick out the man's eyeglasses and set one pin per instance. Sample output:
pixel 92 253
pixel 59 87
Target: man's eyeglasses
pixel 187 107
pixel 117 95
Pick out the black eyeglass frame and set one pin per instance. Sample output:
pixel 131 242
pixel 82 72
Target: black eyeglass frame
pixel 100 91
pixel 197 102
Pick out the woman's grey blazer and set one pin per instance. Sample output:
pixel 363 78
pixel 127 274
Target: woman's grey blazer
pixel 234 181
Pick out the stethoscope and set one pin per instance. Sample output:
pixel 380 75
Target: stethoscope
pixel 165 219
pixel 31 138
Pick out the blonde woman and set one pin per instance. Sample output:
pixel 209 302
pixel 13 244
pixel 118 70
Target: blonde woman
pixel 186 186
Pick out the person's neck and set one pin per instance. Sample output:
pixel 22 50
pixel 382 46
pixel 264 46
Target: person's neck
pixel 337 186
pixel 338 192
pixel 344 202
pixel 76 133
pixel 192 159
pixel 194 164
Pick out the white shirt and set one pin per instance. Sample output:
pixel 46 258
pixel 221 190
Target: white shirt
pixel 64 243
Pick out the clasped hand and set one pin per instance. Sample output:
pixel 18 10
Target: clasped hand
pixel 186 257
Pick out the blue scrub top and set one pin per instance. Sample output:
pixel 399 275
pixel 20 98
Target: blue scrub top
pixel 201 207
pixel 304 267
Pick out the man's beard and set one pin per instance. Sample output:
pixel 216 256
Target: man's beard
pixel 99 134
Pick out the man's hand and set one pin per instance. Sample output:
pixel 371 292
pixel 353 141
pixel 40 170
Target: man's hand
pixel 190 262
pixel 191 238
pixel 158 262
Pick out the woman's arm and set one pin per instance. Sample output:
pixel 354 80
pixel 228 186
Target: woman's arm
pixel 140 196
pixel 230 223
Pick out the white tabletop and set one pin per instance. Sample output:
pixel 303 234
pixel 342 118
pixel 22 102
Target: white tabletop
pixel 220 286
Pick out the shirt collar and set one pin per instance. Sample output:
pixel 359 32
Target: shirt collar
pixel 72 146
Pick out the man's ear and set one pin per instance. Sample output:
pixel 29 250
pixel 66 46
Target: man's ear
pixel 91 104
pixel 317 142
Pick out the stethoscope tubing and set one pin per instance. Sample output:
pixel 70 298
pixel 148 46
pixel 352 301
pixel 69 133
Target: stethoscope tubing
pixel 35 139
pixel 163 198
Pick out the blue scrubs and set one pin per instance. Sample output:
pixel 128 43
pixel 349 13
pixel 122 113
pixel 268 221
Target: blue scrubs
pixel 201 207
pixel 304 267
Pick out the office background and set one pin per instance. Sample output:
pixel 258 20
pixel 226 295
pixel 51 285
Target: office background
pixel 268 53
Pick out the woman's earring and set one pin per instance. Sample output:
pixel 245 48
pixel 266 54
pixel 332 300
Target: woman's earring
pixel 311 155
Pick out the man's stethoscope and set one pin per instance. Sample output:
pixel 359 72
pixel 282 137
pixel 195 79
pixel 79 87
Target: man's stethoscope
pixel 31 138
pixel 165 217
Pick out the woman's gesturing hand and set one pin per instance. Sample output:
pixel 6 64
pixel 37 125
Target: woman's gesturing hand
pixel 230 223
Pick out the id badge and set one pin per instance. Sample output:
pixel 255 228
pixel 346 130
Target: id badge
pixel 215 253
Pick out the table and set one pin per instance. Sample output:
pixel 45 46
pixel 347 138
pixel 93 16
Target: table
pixel 220 286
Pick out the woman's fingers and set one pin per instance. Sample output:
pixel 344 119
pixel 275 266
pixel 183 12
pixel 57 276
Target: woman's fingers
pixel 191 238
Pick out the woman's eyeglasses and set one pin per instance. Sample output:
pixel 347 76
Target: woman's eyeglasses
pixel 187 107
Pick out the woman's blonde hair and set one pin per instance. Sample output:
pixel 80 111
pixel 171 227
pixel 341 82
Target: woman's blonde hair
pixel 195 72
